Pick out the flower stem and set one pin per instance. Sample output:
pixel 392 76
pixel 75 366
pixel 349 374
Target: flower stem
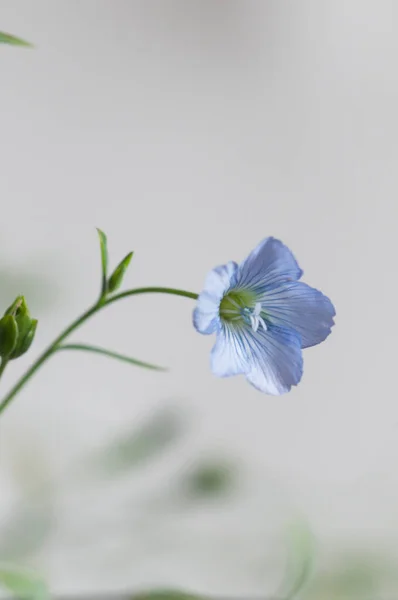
pixel 75 325
pixel 3 365
pixel 151 290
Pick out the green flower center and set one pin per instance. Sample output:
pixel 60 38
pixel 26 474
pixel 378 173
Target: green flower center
pixel 235 303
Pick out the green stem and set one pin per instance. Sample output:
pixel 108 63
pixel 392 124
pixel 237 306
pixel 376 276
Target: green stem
pixel 151 290
pixel 3 365
pixel 75 325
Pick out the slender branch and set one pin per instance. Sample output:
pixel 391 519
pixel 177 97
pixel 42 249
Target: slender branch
pixel 110 354
pixel 151 290
pixel 76 324
pixel 44 356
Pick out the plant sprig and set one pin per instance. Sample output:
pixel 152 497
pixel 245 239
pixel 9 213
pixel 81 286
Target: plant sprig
pixel 107 296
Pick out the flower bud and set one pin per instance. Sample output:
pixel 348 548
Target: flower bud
pixel 8 335
pixel 25 327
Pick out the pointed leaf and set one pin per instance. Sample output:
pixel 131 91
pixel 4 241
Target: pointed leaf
pixel 110 354
pixel 6 38
pixel 116 278
pixel 104 260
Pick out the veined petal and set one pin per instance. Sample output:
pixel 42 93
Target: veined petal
pixel 298 306
pixel 276 361
pixel 206 314
pixel 271 359
pixel 270 264
pixel 231 353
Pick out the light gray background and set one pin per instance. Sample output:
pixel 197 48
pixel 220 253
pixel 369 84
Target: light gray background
pixel 190 130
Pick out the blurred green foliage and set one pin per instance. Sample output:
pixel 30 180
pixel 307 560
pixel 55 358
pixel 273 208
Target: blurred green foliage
pixel 355 576
pixel 31 517
pixel 140 445
pixel 208 479
pixel 27 528
pixel 23 584
pixel 166 595
pixel 301 558
pixel 31 522
pixel 6 38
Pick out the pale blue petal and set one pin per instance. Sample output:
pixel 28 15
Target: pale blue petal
pixel 300 307
pixel 206 314
pixel 277 362
pixel 231 353
pixel 270 264
pixel 271 360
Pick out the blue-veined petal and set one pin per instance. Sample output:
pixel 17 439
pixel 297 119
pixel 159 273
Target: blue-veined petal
pixel 231 353
pixel 276 361
pixel 270 264
pixel 300 307
pixel 271 359
pixel 206 314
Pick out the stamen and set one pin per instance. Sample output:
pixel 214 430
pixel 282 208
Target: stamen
pixel 241 306
pixel 255 317
pixel 257 309
pixel 263 323
pixel 255 322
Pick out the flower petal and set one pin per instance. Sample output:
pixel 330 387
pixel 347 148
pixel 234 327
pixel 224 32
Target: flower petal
pixel 300 307
pixel 231 353
pixel 206 314
pixel 270 263
pixel 271 359
pixel 276 362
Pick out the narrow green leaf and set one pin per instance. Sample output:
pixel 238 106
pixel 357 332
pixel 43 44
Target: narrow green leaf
pixel 23 584
pixel 104 260
pixel 166 595
pixel 110 354
pixel 6 38
pixel 116 278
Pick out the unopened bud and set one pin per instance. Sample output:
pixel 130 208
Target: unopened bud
pixel 8 335
pixel 25 327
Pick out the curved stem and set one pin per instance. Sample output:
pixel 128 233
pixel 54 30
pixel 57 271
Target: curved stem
pixel 75 325
pixel 151 290
pixel 44 356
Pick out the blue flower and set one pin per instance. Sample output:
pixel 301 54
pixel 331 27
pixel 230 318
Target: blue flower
pixel 263 317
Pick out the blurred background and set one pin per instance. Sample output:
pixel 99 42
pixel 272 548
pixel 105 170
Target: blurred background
pixel 189 130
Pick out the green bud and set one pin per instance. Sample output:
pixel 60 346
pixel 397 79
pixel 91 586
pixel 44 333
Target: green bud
pixel 8 335
pixel 26 326
pixel 116 278
pixel 24 343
